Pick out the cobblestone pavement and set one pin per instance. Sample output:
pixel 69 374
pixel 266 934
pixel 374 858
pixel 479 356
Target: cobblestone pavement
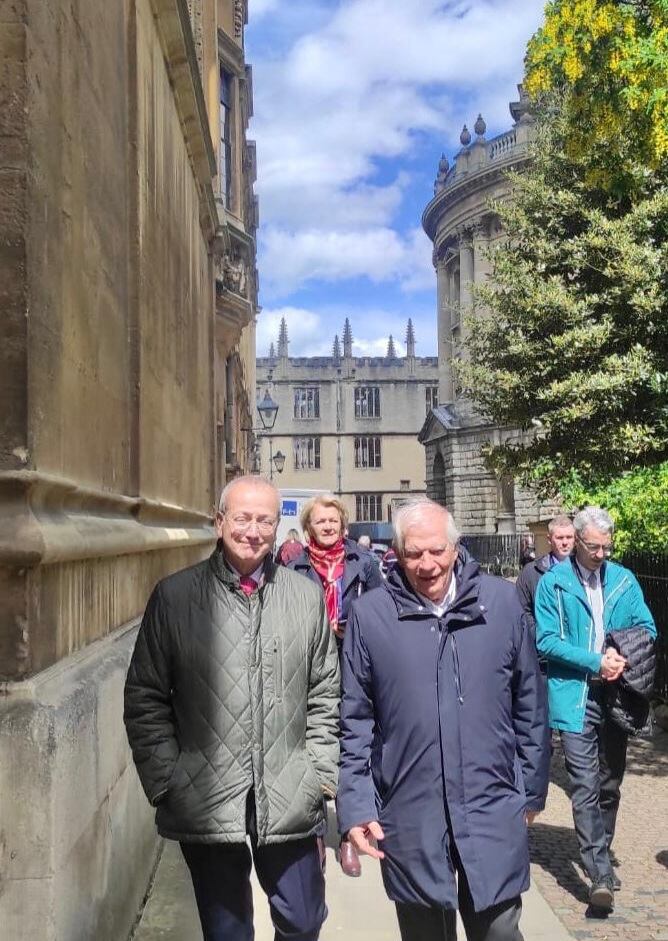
pixel 641 847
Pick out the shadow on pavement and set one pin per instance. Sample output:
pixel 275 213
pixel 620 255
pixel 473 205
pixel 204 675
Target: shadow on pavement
pixel 555 849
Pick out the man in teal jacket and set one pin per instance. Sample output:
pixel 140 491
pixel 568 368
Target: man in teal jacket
pixel 578 602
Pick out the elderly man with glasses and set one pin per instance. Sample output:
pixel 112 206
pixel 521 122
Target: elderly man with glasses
pixel 579 603
pixel 231 710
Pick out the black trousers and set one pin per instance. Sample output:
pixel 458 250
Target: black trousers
pixel 498 923
pixel 290 874
pixel 595 760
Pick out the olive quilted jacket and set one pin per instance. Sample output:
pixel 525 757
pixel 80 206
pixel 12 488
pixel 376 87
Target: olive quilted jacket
pixel 226 693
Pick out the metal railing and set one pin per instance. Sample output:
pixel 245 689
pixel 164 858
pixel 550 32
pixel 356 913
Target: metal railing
pixel 497 555
pixel 651 570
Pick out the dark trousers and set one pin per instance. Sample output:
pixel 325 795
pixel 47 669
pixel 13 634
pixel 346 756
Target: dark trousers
pixel 498 923
pixel 595 761
pixel 290 874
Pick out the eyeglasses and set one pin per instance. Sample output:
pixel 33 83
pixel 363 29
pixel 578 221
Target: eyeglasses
pixel 241 524
pixel 595 547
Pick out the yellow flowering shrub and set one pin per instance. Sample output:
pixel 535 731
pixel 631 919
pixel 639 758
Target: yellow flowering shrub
pixel 610 58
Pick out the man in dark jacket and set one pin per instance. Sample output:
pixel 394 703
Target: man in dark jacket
pixel 444 745
pixel 561 537
pixel 231 709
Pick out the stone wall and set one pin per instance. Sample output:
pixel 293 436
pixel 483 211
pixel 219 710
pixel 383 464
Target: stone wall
pixel 107 431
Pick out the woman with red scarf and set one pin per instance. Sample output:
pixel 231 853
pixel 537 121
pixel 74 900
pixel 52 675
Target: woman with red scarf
pixel 344 570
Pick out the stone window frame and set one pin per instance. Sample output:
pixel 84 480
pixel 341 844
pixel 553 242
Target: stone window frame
pixel 225 144
pixel 306 403
pixel 369 507
pixel 430 398
pixel 368 452
pixel 306 453
pixel 366 400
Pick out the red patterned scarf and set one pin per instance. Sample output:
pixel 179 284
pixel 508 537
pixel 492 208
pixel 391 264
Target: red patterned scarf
pixel 329 564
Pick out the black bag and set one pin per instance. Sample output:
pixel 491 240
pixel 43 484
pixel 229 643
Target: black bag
pixel 628 698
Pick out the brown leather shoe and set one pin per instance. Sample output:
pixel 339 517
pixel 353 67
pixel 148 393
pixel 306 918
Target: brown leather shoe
pixel 349 859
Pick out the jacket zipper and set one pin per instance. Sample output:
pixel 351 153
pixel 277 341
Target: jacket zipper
pixel 455 655
pixel 278 671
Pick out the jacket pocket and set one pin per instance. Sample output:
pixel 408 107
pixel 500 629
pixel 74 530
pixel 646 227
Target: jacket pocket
pixel 278 669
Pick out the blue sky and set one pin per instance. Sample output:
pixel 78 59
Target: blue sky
pixel 354 102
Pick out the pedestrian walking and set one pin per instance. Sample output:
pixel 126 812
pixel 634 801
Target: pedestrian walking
pixel 444 744
pixel 291 549
pixel 343 570
pixel 586 606
pixel 231 710
pixel 561 539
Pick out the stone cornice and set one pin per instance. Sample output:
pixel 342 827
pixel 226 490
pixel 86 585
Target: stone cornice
pixel 48 519
pixel 178 47
pixel 477 182
pixel 231 55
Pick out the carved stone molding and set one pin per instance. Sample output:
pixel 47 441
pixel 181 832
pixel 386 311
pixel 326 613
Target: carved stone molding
pixel 48 519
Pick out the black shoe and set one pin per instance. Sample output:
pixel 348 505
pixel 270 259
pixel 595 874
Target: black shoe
pixel 616 882
pixel 601 896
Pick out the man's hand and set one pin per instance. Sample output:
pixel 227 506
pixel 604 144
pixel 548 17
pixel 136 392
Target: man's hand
pixel 612 665
pixel 530 816
pixel 361 838
pixel 338 629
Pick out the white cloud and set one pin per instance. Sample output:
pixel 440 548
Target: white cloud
pixel 366 85
pixel 311 332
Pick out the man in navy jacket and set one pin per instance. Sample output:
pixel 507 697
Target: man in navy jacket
pixel 444 742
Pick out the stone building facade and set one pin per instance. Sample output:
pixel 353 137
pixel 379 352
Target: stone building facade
pixel 464 229
pixel 128 292
pixel 348 424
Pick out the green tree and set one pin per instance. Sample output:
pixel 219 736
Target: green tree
pixel 638 503
pixel 576 347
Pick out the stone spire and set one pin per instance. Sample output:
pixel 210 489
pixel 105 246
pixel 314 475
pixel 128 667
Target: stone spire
pixel 443 167
pixel 283 339
pixel 272 351
pixel 347 340
pixel 336 350
pixel 391 352
pixel 410 339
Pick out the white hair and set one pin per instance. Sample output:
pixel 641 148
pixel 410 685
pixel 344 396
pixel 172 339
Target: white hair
pixel 596 517
pixel 254 480
pixel 416 510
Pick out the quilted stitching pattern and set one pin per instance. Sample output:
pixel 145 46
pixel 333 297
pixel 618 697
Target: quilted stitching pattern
pixel 203 686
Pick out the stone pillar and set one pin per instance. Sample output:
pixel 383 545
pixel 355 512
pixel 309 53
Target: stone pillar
pixel 466 279
pixel 444 301
pixel 481 263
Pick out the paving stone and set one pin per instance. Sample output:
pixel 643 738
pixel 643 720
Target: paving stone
pixel 641 846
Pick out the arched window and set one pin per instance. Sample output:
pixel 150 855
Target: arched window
pixel 437 489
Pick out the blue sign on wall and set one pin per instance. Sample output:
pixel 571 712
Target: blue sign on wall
pixel 289 508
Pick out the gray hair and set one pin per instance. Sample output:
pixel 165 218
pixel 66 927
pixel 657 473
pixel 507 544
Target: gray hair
pixel 415 510
pixel 561 520
pixel 364 541
pixel 254 480
pixel 596 517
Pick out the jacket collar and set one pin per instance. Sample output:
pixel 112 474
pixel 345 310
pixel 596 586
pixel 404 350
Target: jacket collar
pixel 567 577
pixel 464 609
pixel 224 573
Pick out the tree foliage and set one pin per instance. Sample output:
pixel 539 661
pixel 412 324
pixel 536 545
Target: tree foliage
pixel 576 347
pixel 609 58
pixel 638 503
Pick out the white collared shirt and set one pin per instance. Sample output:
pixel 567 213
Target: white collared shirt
pixel 440 609
pixel 256 575
pixel 595 599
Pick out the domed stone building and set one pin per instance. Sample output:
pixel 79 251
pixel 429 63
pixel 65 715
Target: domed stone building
pixel 463 229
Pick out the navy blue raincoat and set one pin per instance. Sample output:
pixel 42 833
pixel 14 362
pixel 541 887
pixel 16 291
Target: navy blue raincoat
pixel 444 737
